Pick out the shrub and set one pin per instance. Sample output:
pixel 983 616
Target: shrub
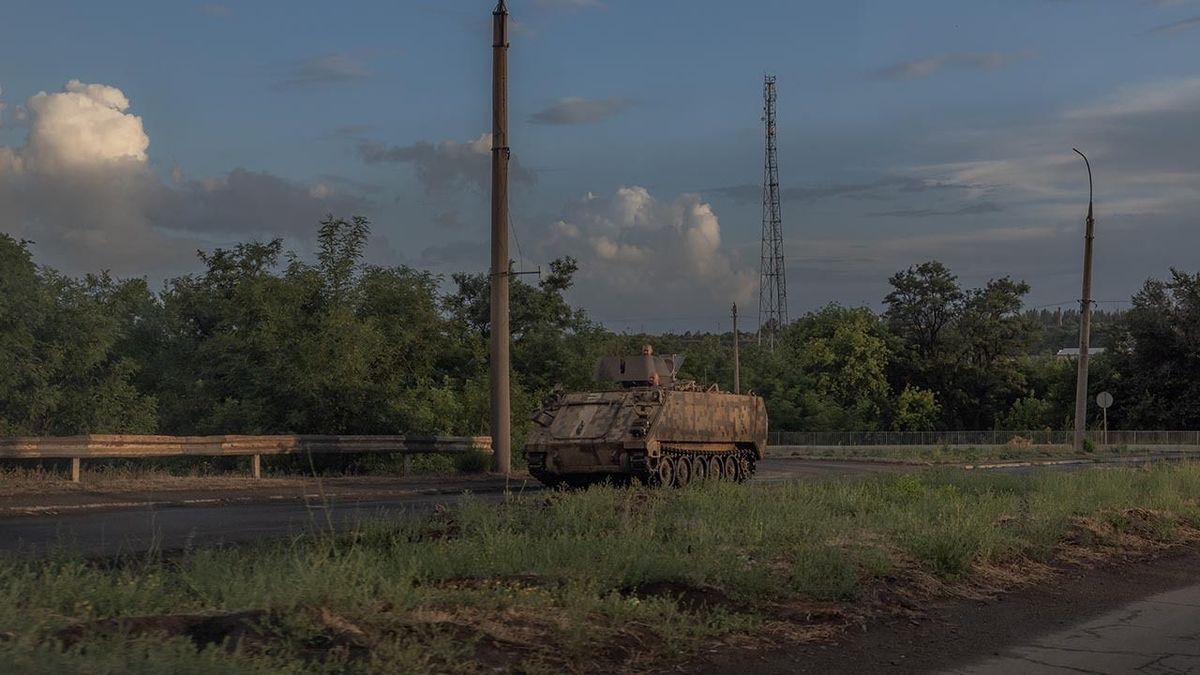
pixel 473 461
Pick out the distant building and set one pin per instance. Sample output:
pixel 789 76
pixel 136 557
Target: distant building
pixel 1073 352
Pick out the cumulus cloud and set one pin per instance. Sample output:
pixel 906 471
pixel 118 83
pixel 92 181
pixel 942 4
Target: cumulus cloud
pixel 639 253
pixel 965 60
pixel 575 110
pixel 82 188
pixel 87 125
pixel 446 165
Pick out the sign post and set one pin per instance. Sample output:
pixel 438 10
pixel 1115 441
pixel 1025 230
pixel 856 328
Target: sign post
pixel 1104 400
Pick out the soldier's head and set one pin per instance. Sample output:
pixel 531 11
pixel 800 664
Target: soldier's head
pixel 647 350
pixel 653 379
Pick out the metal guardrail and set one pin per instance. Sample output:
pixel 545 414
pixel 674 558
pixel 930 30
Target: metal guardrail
pixel 994 437
pixel 108 446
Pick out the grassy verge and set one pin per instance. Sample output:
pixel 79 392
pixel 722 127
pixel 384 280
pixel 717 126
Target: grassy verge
pixel 602 581
pixel 955 454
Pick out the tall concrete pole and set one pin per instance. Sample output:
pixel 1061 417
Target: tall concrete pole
pixel 499 347
pixel 1085 319
pixel 737 364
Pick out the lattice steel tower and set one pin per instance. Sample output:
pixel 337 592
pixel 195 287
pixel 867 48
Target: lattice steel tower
pixel 772 288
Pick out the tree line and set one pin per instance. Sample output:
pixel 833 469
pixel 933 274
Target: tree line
pixel 263 341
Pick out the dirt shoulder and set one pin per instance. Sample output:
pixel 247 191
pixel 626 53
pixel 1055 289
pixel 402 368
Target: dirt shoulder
pixel 956 632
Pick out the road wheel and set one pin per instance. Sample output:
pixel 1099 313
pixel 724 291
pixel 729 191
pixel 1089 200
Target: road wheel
pixel 666 471
pixel 716 468
pixel 730 468
pixel 744 469
pixel 699 469
pixel 683 472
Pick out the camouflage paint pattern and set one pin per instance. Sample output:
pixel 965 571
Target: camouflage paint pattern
pixel 619 433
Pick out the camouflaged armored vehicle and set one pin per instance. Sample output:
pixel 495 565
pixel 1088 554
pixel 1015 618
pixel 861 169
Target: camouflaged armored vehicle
pixel 649 427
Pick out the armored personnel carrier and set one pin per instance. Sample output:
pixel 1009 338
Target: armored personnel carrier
pixel 649 426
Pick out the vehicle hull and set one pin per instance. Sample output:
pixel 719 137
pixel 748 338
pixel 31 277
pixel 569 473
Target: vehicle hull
pixel 649 434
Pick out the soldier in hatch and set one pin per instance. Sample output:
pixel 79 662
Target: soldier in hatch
pixel 651 367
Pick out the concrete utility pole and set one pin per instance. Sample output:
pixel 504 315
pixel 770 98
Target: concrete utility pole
pixel 1085 319
pixel 737 365
pixel 499 348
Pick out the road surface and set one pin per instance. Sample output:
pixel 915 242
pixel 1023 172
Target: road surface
pixel 1160 634
pixel 101 525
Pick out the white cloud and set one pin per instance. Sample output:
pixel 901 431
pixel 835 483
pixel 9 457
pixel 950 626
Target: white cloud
pixel 1165 96
pixel 576 110
pixel 82 188
pixel 1145 155
pixel 640 254
pixel 924 67
pixel 84 126
pixel 446 165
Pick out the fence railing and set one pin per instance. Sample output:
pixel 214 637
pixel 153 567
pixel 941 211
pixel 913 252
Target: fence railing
pixel 109 446
pixel 998 437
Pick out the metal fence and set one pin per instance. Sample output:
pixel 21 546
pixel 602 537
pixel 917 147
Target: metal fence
pixel 995 437
pixel 94 446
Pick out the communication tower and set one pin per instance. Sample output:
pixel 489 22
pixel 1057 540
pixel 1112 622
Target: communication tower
pixel 772 289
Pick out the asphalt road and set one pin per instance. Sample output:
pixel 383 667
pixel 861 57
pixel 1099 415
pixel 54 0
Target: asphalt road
pixel 133 522
pixel 1160 634
pixel 144 522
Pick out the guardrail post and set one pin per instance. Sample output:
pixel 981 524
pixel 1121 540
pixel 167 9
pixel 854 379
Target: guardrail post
pixel 76 469
pixel 408 465
pixel 256 466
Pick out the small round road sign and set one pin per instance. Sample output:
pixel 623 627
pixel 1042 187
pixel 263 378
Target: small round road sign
pixel 1104 399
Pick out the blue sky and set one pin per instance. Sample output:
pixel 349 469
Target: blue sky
pixel 907 131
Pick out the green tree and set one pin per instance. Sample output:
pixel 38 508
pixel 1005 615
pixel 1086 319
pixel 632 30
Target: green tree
pixel 845 354
pixel 916 410
pixel 924 301
pixel 1155 364
pixel 1029 413
pixel 967 346
pixel 62 365
pixel 992 339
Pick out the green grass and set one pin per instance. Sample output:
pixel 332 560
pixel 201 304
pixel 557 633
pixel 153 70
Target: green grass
pixel 554 579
